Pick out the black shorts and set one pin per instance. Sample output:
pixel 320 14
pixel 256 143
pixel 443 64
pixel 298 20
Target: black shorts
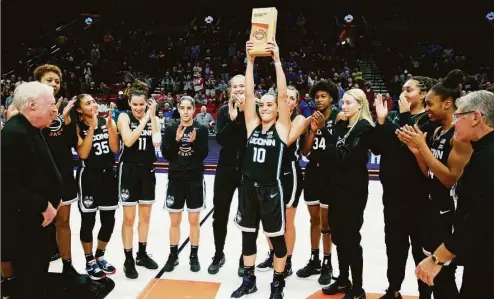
pixel 179 192
pixel 439 217
pixel 136 184
pixel 261 203
pixel 69 187
pixel 97 189
pixel 316 186
pixel 291 181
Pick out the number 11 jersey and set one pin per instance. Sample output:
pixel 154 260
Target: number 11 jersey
pixel 142 151
pixel 263 155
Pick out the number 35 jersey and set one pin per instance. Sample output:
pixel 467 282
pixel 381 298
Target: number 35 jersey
pixel 263 156
pixel 100 156
pixel 142 151
pixel 316 155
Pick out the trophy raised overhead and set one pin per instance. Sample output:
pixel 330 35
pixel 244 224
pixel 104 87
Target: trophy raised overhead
pixel 263 29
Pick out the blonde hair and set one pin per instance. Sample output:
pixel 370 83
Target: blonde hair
pixel 241 77
pixel 361 98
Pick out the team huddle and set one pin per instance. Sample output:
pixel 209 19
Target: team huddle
pixel 262 143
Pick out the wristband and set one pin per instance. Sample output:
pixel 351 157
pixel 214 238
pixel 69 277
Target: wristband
pixel 277 63
pixel 156 137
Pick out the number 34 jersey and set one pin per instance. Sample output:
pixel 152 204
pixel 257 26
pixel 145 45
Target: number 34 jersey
pixel 263 155
pixel 319 144
pixel 142 151
pixel 100 156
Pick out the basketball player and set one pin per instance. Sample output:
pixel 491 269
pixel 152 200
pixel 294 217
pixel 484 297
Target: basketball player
pixel 261 194
pixel 61 137
pixel 444 159
pixel 185 146
pixel 140 133
pixel 291 180
pixel 97 142
pixel 317 182
pixel 348 151
pixel 403 211
pixel 232 137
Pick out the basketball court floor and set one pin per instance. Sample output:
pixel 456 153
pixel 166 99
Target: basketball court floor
pixel 182 283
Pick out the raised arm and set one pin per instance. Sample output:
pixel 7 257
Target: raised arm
pixel 251 118
pixel 129 137
pixel 283 123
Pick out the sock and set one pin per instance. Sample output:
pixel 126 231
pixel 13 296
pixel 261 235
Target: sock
pixel 249 271
pixel 314 255
pixel 327 260
pixel 289 259
pixel 67 263
pixel 9 278
pixel 100 252
pixel 128 254
pixel 142 248
pixel 193 250
pixel 278 276
pixel 174 249
pixel 89 257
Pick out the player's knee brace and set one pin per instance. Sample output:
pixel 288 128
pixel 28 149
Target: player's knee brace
pixel 87 225
pixel 326 232
pixel 107 225
pixel 249 243
pixel 279 246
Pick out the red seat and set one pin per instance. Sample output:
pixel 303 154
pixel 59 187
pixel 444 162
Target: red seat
pixel 210 110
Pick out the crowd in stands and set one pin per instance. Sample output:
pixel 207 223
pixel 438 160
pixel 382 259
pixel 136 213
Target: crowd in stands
pixel 200 63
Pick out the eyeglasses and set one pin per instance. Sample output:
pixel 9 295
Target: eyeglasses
pixel 457 115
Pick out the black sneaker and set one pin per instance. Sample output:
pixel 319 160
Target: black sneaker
pixel 248 287
pixel 338 287
pixel 277 290
pixel 71 275
pixel 130 269
pixel 241 270
pixel 55 256
pixel 267 264
pixel 390 294
pixel 355 294
pixel 146 261
pixel 194 263
pixel 288 270
pixel 171 263
pixel 94 271
pixel 326 274
pixel 105 265
pixel 218 262
pixel 312 268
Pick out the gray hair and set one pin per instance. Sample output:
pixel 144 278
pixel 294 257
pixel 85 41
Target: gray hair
pixel 29 91
pixel 481 101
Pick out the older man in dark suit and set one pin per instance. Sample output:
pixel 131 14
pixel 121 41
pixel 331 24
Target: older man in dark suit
pixel 31 188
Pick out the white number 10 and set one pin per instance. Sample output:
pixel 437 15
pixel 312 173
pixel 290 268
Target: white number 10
pixel 259 155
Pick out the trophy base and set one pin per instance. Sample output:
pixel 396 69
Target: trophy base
pixel 260 52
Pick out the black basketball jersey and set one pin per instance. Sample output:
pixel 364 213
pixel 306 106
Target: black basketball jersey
pixel 319 144
pixel 263 155
pixel 101 156
pixel 440 145
pixel 292 152
pixel 142 151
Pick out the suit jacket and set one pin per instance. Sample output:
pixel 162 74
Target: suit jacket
pixel 30 178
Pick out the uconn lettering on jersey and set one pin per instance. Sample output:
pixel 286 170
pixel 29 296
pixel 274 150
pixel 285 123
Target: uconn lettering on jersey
pixel 262 141
pixel 147 132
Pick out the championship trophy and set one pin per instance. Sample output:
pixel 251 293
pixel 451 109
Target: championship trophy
pixel 263 30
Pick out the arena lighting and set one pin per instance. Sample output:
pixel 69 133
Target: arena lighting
pixel 88 20
pixel 209 19
pixel 348 18
pixel 490 16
